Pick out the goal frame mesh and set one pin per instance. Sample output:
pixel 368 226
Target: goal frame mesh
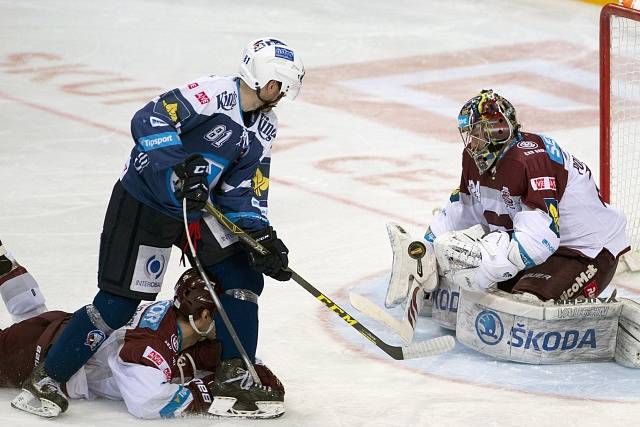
pixel 610 189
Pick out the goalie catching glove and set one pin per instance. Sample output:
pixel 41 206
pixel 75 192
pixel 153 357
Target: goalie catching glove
pixel 487 260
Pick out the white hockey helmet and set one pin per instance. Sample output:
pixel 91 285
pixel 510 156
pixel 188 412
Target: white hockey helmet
pixel 268 59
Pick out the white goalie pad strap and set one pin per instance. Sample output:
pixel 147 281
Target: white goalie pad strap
pixel 412 261
pixel 628 342
pixel 514 327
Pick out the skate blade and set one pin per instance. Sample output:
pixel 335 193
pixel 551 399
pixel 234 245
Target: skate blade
pixel 25 402
pixel 223 407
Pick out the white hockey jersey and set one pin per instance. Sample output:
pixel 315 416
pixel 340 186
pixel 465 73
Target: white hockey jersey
pixel 542 195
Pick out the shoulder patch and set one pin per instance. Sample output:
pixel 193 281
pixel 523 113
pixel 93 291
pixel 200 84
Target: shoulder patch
pixel 154 314
pixel 554 213
pixel 455 196
pixel 553 150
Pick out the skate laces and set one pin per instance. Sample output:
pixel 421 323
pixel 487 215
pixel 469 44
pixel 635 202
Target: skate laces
pixel 48 384
pixel 246 380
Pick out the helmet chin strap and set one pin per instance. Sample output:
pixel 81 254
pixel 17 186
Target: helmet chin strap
pixel 267 105
pixel 195 328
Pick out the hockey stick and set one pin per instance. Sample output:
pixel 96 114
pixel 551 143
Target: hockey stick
pixel 365 306
pixel 430 347
pixel 216 300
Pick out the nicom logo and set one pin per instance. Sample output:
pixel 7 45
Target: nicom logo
pixel 489 327
pixel 154 267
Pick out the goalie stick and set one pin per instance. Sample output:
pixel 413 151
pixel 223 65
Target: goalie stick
pixel 429 347
pixel 365 306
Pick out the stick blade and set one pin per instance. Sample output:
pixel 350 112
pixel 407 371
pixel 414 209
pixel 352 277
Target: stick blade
pixel 379 314
pixel 432 347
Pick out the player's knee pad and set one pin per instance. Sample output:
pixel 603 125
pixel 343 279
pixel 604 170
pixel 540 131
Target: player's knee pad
pixel 243 295
pixel 110 312
pixel 21 293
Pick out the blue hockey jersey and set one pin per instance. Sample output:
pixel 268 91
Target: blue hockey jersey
pixel 203 117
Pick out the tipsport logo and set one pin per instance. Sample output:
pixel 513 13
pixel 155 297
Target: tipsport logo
pixel 154 267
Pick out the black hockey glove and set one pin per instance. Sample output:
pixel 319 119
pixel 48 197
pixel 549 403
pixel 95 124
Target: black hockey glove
pixel 274 263
pixel 193 185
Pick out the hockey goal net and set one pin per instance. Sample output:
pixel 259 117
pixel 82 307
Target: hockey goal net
pixel 620 119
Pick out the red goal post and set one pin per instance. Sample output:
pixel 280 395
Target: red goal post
pixel 620 117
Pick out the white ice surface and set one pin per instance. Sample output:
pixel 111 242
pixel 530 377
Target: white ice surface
pixel 342 167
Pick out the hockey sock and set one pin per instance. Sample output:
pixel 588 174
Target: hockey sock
pixel 88 328
pixel 244 318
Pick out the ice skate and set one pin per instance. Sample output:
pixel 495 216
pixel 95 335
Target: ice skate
pixel 41 395
pixel 237 395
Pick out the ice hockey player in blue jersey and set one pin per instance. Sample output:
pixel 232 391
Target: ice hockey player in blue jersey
pixel 208 140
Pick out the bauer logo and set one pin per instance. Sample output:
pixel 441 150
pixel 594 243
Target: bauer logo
pixel 551 340
pixel 489 327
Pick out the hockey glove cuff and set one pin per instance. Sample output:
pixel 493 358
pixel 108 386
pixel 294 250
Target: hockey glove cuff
pixel 273 264
pixel 202 392
pixel 193 185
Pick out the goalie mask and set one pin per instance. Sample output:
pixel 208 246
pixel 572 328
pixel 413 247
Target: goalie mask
pixel 191 297
pixel 269 59
pixel 487 123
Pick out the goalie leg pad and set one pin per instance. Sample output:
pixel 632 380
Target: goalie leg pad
pixel 628 341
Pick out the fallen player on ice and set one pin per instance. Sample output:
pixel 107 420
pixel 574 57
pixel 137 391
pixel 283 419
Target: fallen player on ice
pixel 150 364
